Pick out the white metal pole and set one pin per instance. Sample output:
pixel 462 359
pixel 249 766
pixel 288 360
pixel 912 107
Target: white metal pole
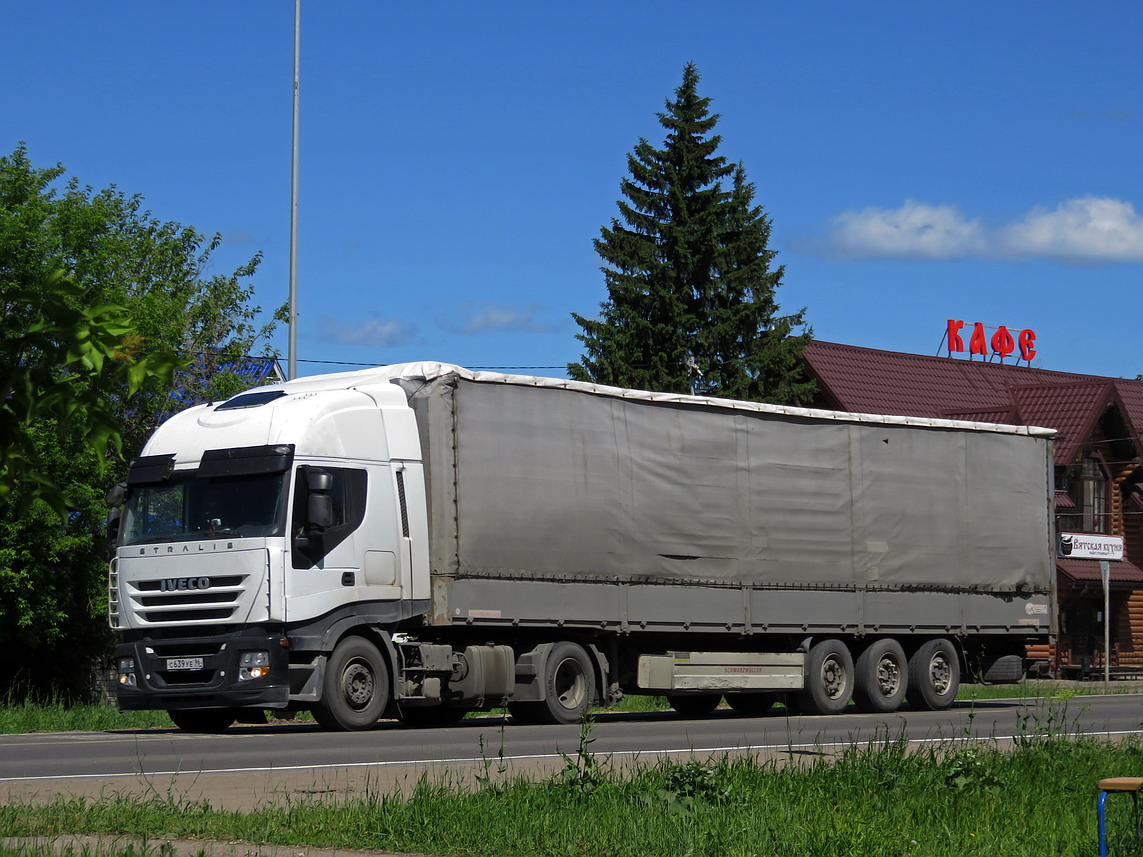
pixel 1105 576
pixel 292 370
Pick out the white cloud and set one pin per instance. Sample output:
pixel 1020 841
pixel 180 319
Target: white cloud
pixel 1088 230
pixel 493 318
pixel 375 332
pixel 916 230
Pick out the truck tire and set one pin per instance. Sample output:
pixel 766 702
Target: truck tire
pixel 751 704
pixel 694 704
pixel 881 677
pixel 1002 669
pixel 204 720
pixel 829 679
pixel 934 675
pixel 355 689
pixel 568 687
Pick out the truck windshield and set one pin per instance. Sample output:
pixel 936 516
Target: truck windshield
pixel 191 508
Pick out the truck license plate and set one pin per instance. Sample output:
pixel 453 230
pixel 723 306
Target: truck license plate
pixel 184 663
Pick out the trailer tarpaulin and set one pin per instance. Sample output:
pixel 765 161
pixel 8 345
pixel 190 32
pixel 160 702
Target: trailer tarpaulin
pixel 559 480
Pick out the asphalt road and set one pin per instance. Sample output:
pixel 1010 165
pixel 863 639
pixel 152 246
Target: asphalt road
pixel 251 765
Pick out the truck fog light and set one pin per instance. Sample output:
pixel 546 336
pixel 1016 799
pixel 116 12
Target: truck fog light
pixel 252 665
pixel 126 672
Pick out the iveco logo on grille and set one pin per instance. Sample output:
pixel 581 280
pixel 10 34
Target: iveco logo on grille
pixel 175 584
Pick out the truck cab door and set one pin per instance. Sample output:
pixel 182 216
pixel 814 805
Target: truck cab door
pixel 333 557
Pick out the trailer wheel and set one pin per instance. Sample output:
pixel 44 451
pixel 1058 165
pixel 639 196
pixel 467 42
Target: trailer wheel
pixel 568 685
pixel 934 675
pixel 751 704
pixel 356 687
pixel 881 677
pixel 694 704
pixel 829 679
pixel 204 720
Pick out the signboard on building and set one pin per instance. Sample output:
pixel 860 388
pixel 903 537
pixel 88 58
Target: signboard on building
pixel 1085 546
pixel 1002 343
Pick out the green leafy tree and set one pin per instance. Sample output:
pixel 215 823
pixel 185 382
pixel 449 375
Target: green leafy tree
pixel 93 289
pixel 690 278
pixel 50 373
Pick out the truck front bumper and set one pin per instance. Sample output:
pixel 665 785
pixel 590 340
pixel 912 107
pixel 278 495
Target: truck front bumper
pixel 232 671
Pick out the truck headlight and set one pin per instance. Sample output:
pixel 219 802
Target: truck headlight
pixel 126 672
pixel 252 665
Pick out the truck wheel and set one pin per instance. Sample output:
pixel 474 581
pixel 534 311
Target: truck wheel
pixel 204 720
pixel 881 677
pixel 694 704
pixel 829 679
pixel 356 687
pixel 568 686
pixel 934 675
pixel 751 704
pixel 1002 669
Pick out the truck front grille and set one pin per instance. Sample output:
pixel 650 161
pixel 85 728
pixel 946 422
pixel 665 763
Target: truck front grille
pixel 179 600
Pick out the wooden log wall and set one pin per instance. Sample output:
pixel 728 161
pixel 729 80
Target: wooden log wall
pixel 1129 639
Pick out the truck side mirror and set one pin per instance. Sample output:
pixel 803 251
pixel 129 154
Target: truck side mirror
pixel 114 519
pixel 115 498
pixel 319 505
pixel 319 512
pixel 117 495
pixel 319 481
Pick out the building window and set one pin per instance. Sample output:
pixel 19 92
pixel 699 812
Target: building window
pixel 1088 489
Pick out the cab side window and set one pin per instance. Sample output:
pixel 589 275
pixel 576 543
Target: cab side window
pixel 347 494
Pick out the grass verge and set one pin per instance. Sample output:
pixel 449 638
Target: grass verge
pixel 957 798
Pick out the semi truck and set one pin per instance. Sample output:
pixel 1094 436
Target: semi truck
pixel 420 541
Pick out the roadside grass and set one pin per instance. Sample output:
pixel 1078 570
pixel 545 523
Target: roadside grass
pixel 954 798
pixel 1046 688
pixel 19 716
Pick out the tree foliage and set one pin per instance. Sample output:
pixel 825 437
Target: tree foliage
pixel 49 373
pixel 97 297
pixel 691 288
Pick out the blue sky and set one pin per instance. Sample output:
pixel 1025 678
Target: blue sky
pixel 973 161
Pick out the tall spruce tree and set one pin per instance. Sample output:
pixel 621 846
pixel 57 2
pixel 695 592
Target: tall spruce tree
pixel 691 292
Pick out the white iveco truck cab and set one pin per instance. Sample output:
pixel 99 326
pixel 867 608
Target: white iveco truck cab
pixel 422 541
pixel 256 532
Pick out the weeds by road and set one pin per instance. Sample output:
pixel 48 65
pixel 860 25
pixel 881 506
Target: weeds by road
pixel 957 798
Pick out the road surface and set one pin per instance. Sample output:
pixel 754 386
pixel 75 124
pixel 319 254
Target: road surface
pixel 250 765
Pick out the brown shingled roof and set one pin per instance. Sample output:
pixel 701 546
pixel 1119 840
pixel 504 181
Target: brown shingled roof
pixel 1122 571
pixel 865 380
pixel 1073 410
